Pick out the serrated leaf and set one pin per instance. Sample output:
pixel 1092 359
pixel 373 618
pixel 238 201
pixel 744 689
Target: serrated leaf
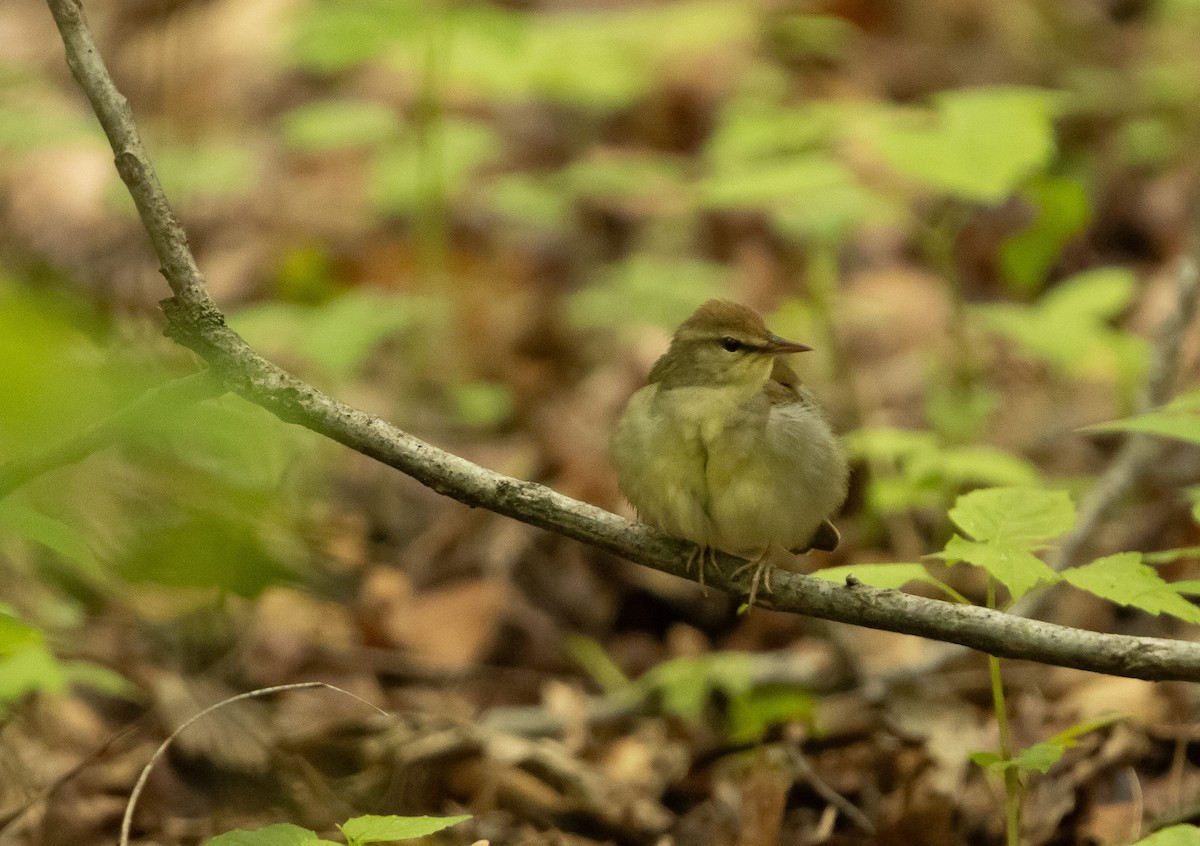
pixel 280 834
pixel 1019 516
pixel 1015 567
pixel 1125 580
pixel 374 829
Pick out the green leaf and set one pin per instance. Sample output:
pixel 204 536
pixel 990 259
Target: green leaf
pixel 483 403
pixel 1063 210
pixel 977 144
pixel 1097 295
pixel 1187 587
pixel 405 178
pixel 205 170
pixel 1040 757
pixel 51 533
pixel 1181 426
pixel 686 683
pixel 1125 580
pixel 981 465
pixel 99 678
pixel 1166 556
pixel 374 829
pixel 16 634
pixel 647 288
pixel 756 710
pixel 1021 516
pixel 1069 327
pixel 281 834
pixel 888 443
pixel 338 124
pixel 1012 565
pixel 29 668
pixel 1176 835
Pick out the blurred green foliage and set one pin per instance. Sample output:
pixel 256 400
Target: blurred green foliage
pixel 1071 328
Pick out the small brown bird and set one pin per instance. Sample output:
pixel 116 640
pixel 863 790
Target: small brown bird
pixel 724 447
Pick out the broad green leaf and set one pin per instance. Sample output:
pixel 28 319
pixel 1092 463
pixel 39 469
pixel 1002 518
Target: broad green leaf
pixel 1125 580
pixel 280 834
pixel 1021 516
pixel 1176 835
pixel 1011 564
pixel 978 144
pixel 374 829
pixel 1187 587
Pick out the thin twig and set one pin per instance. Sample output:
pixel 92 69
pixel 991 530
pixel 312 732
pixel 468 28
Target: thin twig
pixel 135 794
pixel 195 322
pixel 1137 454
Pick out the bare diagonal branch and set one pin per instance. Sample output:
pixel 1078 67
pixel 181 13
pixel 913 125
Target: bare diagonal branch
pixel 194 321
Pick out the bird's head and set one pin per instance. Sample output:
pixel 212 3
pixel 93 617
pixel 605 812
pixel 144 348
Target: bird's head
pixel 723 344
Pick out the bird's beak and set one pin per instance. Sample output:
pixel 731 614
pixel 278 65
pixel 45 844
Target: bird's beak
pixel 780 346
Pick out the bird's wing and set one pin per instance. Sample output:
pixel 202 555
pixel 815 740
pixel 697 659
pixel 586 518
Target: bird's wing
pixel 825 538
pixel 784 387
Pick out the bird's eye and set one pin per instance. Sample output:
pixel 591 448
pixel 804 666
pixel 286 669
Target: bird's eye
pixel 731 344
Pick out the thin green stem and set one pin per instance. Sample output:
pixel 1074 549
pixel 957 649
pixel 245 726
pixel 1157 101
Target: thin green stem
pixel 1012 779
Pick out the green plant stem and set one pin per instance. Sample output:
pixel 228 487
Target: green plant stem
pixel 433 239
pixel 1012 779
pixel 821 272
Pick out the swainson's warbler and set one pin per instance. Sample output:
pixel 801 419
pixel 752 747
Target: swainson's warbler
pixel 724 447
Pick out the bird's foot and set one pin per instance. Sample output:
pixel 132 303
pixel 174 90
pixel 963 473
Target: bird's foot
pixel 762 575
pixel 702 555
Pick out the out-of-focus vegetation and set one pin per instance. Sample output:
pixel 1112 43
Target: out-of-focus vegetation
pixel 480 220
